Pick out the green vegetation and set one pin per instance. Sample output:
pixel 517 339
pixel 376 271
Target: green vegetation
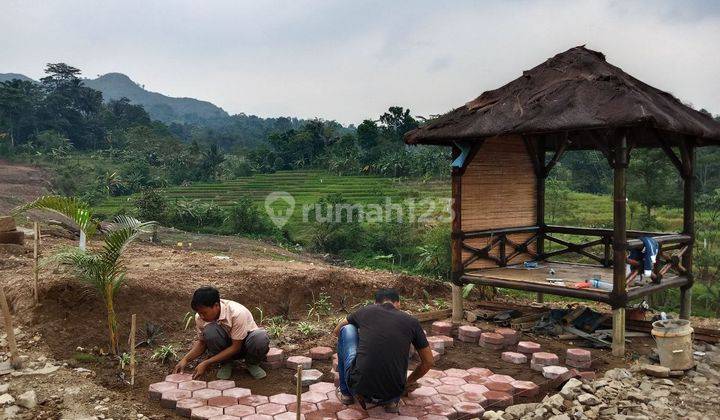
pixel 165 354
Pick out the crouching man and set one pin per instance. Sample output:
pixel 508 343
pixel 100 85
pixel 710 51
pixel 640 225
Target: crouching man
pixel 228 332
pixel 373 347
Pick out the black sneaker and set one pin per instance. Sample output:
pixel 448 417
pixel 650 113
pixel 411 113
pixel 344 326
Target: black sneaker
pixel 345 399
pixel 392 407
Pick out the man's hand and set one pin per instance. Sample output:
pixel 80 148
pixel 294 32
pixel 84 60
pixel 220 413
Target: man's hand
pixel 410 387
pixel 180 366
pixel 200 369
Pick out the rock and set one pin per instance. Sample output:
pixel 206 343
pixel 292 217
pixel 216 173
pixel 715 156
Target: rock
pixel 6 399
pixel 27 399
pixel 618 374
pixel 520 410
pixel 493 415
pixel 11 411
pixel 656 371
pixel 660 393
pixel 560 417
pixel 555 401
pixel 571 388
pixel 4 388
pixel 588 399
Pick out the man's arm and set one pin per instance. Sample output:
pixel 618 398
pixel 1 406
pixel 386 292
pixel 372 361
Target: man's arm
pixel 224 355
pixel 196 351
pixel 426 363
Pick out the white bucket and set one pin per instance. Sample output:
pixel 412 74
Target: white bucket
pixel 674 342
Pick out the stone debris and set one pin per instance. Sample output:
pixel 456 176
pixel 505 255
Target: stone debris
pixel 27 399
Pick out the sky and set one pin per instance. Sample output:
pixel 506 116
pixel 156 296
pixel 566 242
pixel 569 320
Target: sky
pixel 350 60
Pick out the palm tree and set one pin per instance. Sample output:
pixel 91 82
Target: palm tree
pixel 104 269
pixel 70 207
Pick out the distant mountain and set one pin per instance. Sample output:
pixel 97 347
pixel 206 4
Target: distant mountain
pixel 4 77
pixel 160 107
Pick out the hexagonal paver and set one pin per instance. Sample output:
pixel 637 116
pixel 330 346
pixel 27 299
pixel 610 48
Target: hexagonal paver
pixel 580 355
pixel 222 401
pixel 499 386
pixel 552 372
pixel 309 377
pixel 468 409
pixel 314 397
pixel 321 353
pixel 288 416
pixel 449 342
pixel 236 392
pixel 192 385
pixel 545 358
pixel 275 355
pixel 283 398
pixel 500 378
pixel 430 381
pixel 270 409
pixel 469 331
pixel 435 355
pixel 510 335
pixel 452 380
pixel 457 373
pixel 423 391
pixel 206 394
pixel 437 344
pixel 258 417
pixel 253 400
pixel 418 401
pixel 225 417
pixel 514 357
pixel 449 389
pixel 441 328
pixel 445 399
pixel 221 384
pixel 434 373
pixel 492 338
pixel 525 388
pixel 479 389
pixel 179 377
pixel 350 414
pixel 305 407
pixel 480 371
pixel 323 387
pixel 171 397
pixel 155 390
pixel 474 397
pixel 292 362
pixel 205 412
pixel 476 379
pixel 528 347
pixel 495 400
pixel 440 410
pixel 319 415
pixel 239 410
pixel 331 406
pixel 184 406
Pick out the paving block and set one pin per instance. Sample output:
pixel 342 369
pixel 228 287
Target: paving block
pixel 319 415
pixel 321 353
pixel 283 398
pixel 308 377
pixel 466 339
pixel 305 407
pixel 510 335
pixel 437 344
pixel 184 407
pixel 476 379
pixel 441 328
pixel 480 371
pixel 240 410
pixel 449 342
pixel 418 401
pixel 271 409
pixel 492 338
pixel 423 391
pixel 323 387
pixel 206 394
pixel 350 414
pixel 499 386
pixel 275 354
pixel 458 373
pixel 292 362
pixel 468 409
pixel 525 388
pixel 500 378
pixel 445 399
pixel 552 372
pixel 478 389
pixel 588 375
pixel 412 411
pixel 225 417
pixel 258 417
pixel 222 401
pixel 452 380
pixel 449 389
pixel 236 392
pixel 545 359
pixel 469 331
pixel 431 382
pixel 441 410
pixel 435 355
pixel 179 377
pixel 514 357
pixel 253 400
pixel 171 397
pixel 434 373
pixel 192 385
pixel 495 400
pixel 475 397
pixel 580 355
pixel 578 364
pixel 288 415
pixel 314 397
pixel 221 384
pixel 490 346
pixel 528 347
pixel 331 406
pixel 155 390
pixel 205 412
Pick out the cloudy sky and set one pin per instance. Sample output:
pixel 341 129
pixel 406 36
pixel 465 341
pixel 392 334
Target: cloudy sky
pixel 350 60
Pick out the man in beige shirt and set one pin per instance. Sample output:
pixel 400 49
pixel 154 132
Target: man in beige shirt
pixel 227 331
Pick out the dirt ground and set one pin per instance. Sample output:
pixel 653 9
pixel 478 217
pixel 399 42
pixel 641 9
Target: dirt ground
pixel 20 183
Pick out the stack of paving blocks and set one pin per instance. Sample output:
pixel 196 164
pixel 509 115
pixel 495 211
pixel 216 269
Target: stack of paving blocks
pixel 469 334
pixel 541 359
pixel 441 328
pixel 8 232
pixel 510 336
pixel 321 353
pixel 492 341
pixel 579 358
pixel 528 347
pixel 274 359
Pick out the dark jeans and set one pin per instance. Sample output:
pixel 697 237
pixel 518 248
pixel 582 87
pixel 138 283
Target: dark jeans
pixel 254 347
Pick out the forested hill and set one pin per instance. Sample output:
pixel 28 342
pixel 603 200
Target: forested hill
pixel 4 77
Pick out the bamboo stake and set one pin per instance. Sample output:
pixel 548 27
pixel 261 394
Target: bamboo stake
pixel 299 392
pixel 132 349
pixel 15 361
pixel 36 267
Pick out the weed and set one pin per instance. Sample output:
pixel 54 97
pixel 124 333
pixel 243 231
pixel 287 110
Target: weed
pixel 85 357
pixel 467 289
pixel 152 333
pixel 165 353
pixel 124 360
pixel 275 326
pixel 188 318
pixel 425 308
pixel 320 306
pixel 306 328
pixel 440 303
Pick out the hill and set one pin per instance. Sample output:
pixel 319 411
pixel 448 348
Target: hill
pixel 4 77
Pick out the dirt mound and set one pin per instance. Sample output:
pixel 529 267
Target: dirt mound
pixel 20 183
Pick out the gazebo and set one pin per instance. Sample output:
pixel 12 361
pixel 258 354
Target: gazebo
pixel 506 142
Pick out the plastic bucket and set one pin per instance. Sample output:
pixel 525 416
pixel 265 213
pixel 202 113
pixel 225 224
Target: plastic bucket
pixel 674 343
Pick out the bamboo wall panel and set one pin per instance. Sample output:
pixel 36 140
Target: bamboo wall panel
pixel 498 191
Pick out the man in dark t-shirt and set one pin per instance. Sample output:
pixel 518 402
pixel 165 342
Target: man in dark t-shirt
pixel 373 347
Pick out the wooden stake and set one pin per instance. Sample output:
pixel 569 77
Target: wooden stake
pixel 457 304
pixel 618 341
pixel 15 361
pixel 299 392
pixel 132 350
pixel 36 267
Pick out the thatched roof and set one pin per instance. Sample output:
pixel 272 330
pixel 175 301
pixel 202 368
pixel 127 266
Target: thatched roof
pixel 576 90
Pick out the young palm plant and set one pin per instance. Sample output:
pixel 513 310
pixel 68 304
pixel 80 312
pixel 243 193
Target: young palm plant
pixel 104 269
pixel 70 207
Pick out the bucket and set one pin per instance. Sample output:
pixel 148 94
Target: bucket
pixel 674 342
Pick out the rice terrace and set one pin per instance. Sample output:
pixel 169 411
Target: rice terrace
pixel 375 210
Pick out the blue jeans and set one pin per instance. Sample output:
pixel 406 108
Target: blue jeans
pixel 347 351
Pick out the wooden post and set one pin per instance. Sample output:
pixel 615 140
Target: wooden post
pixel 456 256
pixel 457 303
pixel 36 266
pixel 619 245
pixel 688 161
pixel 540 203
pixel 299 392
pixel 15 361
pixel 83 240
pixel 132 349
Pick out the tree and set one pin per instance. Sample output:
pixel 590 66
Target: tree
pixel 396 122
pixel 18 104
pixel 70 207
pixel 649 182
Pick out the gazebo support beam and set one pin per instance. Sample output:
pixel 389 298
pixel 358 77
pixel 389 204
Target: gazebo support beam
pixel 619 244
pixel 687 154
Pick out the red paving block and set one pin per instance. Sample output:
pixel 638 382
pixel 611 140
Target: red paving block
pixel 225 417
pixel 179 377
pixel 240 410
pixel 155 390
pixel 469 331
pixel 552 372
pixel 528 347
pixel 435 355
pixel 441 328
pixel 437 344
pixel 587 375
pixel 222 401
pixel 475 379
pixel 320 415
pixel 478 389
pixel 441 410
pixel 331 406
pixel 283 398
pixel 292 362
pixel 514 357
pixel 578 364
pixel 351 414
pixel 253 400
pixel 323 387
pixel 417 401
pixel 495 400
pixel 270 409
pixel 434 373
pixel 258 417
pixel 221 384
pixel 192 385
pixel 466 339
pixel 452 380
pixel 321 353
pixel 474 397
pixel 423 391
pixel 430 381
pixel 289 416
pixel 458 373
pixel 500 378
pixel 499 386
pixel 545 358
pixel 236 392
pixel 580 355
pixel 449 342
pixel 274 355
pixel 412 411
pixel 511 336
pixel 206 394
pixel 205 412
pixel 171 397
pixel 449 389
pixel 305 407
pixel 480 371
pixel 525 388
pixel 314 396
pixel 434 417
pixel 445 399
pixel 492 338
pixel 468 409
pixel 184 407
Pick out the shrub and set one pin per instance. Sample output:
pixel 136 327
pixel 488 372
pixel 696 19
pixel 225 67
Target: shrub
pixel 150 205
pixel 245 217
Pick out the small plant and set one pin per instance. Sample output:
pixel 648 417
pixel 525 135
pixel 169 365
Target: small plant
pixel 426 296
pixel 320 306
pixel 275 326
pixel 467 289
pixel 188 318
pixel 366 302
pixel 306 328
pixel 124 360
pixel 164 354
pixel 440 303
pixel 425 308
pixel 152 333
pixel 261 315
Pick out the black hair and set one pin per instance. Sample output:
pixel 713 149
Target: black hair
pixel 206 296
pixel 385 295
